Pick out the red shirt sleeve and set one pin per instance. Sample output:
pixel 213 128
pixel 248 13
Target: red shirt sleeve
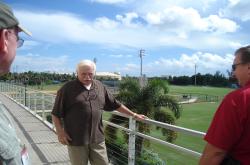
pixel 225 129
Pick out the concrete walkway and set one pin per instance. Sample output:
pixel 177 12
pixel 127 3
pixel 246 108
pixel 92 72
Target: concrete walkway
pixel 41 141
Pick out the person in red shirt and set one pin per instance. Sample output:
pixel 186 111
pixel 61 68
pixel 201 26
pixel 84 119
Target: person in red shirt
pixel 229 133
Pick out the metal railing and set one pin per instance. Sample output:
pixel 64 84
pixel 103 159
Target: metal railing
pixel 40 105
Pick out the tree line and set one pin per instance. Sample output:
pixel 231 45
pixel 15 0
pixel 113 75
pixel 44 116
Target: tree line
pixel 217 80
pixel 37 78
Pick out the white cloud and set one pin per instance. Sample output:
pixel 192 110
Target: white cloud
pixel 104 22
pixel 109 1
pixel 184 65
pixel 29 44
pixel 36 62
pixel 238 9
pixel 120 56
pixel 129 68
pixel 127 19
pixel 236 45
pixel 206 63
pixel 221 25
pixel 55 27
pixel 146 6
pixel 175 19
pixel 173 29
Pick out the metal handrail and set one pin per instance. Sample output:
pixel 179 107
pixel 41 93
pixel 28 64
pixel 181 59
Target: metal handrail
pixel 162 125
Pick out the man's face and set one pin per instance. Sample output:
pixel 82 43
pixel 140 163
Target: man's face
pixel 7 57
pixel 242 70
pixel 85 75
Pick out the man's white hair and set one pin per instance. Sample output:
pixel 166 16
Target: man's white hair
pixel 84 63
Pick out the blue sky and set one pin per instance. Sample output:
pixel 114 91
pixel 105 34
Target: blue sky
pixel 175 34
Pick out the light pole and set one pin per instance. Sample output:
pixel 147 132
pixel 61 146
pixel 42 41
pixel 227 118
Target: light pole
pixel 195 67
pixel 95 60
pixel 141 54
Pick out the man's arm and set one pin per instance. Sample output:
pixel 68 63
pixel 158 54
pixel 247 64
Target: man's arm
pixel 63 137
pixel 212 155
pixel 125 110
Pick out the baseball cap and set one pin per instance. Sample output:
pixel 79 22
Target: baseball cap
pixel 8 20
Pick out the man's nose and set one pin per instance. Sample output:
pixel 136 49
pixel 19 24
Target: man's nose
pixel 87 77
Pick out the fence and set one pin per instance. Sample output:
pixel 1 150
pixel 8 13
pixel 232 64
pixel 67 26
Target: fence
pixel 199 97
pixel 40 105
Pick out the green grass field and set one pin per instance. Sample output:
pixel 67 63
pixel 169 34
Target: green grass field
pixel 214 91
pixel 195 116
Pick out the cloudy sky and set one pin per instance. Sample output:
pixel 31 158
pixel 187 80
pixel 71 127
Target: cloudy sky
pixel 175 34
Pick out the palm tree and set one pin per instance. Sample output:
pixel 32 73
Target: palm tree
pixel 151 100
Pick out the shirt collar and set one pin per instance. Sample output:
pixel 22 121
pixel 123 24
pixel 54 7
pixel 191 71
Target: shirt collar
pixel 88 86
pixel 93 85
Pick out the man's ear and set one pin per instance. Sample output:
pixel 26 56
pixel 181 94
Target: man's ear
pixel 3 41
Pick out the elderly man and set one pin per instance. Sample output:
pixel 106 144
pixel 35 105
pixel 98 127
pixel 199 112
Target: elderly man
pixel 79 104
pixel 10 152
pixel 229 134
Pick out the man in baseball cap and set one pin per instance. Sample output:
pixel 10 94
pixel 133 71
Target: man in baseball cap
pixel 9 39
pixel 10 151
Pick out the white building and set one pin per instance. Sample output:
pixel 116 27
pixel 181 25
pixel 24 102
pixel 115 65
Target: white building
pixel 109 75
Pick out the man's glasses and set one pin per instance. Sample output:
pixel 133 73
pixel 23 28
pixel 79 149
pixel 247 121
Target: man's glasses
pixel 234 66
pixel 19 40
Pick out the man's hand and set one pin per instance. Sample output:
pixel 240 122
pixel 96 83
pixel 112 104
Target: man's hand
pixel 139 116
pixel 63 137
pixel 125 110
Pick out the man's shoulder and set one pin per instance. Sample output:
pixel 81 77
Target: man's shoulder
pixel 98 83
pixel 239 92
pixel 68 85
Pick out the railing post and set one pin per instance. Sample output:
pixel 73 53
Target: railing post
pixel 20 95
pixel 28 93
pixel 131 145
pixel 35 97
pixel 25 95
pixel 43 107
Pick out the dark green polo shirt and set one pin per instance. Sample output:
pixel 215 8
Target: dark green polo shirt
pixel 81 111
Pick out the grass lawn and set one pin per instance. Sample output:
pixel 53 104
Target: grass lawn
pixel 194 116
pixel 47 88
pixel 214 91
